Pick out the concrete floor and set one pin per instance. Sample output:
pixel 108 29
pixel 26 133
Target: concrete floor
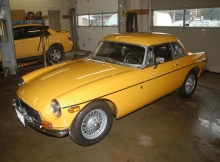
pixel 171 129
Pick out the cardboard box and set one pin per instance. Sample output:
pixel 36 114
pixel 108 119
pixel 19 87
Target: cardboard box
pixel 18 14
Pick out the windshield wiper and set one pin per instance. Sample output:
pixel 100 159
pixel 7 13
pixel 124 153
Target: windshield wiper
pixel 98 59
pixel 110 59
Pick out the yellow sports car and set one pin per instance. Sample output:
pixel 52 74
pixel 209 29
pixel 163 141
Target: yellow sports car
pixel 28 46
pixel 124 73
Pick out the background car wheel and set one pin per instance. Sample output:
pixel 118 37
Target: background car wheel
pixel 91 124
pixel 54 54
pixel 189 85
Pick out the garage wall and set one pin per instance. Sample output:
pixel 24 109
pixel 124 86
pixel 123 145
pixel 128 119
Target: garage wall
pixel 192 37
pixel 44 6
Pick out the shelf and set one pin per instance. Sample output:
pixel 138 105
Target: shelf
pixel 38 21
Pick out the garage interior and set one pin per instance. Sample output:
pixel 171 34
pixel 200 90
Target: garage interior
pixel 169 129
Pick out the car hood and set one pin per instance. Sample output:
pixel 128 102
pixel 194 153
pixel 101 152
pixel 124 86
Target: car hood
pixel 59 80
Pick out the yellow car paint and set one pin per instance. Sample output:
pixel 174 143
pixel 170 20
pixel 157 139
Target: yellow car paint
pixel 29 47
pixel 126 89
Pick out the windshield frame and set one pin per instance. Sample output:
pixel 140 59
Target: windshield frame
pixel 112 60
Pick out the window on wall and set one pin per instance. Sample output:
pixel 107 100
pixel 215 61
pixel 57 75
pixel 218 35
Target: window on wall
pixel 83 20
pixel 111 19
pixel 96 20
pixel 204 17
pixel 107 19
pixel 168 18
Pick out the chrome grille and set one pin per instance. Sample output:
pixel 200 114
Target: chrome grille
pixel 33 114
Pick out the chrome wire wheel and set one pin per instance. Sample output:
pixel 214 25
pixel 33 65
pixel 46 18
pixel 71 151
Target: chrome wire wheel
pixel 94 124
pixel 190 83
pixel 55 55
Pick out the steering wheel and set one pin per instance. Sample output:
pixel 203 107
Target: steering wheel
pixel 128 57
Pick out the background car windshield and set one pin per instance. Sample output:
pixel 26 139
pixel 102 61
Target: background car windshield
pixel 121 52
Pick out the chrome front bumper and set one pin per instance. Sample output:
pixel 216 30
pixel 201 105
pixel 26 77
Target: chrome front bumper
pixel 53 132
pixel 32 118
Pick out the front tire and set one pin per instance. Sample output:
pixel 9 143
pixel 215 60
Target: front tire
pixel 189 85
pixel 92 123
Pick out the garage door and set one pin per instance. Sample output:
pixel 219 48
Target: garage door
pixel 202 25
pixel 95 19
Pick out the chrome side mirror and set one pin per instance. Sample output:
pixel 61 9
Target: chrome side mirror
pixel 159 60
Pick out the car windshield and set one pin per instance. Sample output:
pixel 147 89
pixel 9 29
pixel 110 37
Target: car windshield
pixel 120 53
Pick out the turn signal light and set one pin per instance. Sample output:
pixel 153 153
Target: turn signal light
pixel 47 125
pixel 74 109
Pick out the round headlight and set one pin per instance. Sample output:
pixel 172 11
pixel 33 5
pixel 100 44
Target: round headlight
pixel 55 108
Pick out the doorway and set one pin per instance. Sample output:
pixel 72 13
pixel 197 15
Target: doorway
pixel 54 19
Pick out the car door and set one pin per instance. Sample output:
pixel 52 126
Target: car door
pixel 21 42
pixel 160 78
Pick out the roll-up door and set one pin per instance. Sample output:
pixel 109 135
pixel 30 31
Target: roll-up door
pixel 177 4
pixel 91 17
pixel 194 38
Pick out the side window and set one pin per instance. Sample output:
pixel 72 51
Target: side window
pixel 33 31
pixel 19 33
pixel 163 51
pixel 178 51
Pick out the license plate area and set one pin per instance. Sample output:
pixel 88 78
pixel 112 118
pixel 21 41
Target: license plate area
pixel 20 117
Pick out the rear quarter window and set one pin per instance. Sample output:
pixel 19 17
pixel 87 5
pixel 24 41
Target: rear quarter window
pixel 177 50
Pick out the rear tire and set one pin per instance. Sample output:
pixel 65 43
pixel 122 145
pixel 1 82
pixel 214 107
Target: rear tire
pixel 189 85
pixel 54 54
pixel 92 123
